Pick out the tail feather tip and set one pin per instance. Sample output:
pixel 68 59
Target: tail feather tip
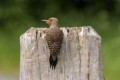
pixel 52 62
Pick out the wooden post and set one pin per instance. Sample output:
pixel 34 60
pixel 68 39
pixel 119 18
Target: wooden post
pixel 80 56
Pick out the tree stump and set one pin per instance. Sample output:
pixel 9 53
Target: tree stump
pixel 80 56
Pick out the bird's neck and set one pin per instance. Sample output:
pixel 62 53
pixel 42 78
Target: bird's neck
pixel 53 25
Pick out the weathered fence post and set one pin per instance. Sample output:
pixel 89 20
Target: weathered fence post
pixel 80 57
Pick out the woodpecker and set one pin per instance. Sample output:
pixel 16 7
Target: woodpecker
pixel 54 36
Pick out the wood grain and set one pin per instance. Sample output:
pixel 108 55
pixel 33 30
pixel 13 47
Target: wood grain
pixel 80 56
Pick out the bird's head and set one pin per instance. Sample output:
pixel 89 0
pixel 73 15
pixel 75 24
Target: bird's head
pixel 51 21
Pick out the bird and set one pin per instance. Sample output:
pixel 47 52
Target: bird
pixel 54 37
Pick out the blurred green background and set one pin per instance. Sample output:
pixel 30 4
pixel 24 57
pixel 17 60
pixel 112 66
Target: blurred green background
pixel 17 16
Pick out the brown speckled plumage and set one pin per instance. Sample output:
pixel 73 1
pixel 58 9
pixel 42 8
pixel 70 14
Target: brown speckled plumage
pixel 54 36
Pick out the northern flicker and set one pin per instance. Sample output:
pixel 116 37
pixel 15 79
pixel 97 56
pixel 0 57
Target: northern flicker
pixel 54 36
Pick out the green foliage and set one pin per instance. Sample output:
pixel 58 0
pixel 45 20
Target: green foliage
pixel 17 16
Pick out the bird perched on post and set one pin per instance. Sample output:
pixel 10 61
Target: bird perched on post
pixel 54 36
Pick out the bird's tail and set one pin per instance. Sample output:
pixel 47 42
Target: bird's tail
pixel 53 61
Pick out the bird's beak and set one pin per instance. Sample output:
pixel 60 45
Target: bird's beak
pixel 45 20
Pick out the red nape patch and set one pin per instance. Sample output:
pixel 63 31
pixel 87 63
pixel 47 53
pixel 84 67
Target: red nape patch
pixel 49 22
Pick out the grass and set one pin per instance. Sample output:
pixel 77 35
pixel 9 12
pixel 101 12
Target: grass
pixel 111 58
pixel 107 26
pixel 9 51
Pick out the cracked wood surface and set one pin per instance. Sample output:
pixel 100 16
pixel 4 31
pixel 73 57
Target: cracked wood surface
pixel 80 56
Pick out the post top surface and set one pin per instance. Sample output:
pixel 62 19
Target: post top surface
pixel 84 30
